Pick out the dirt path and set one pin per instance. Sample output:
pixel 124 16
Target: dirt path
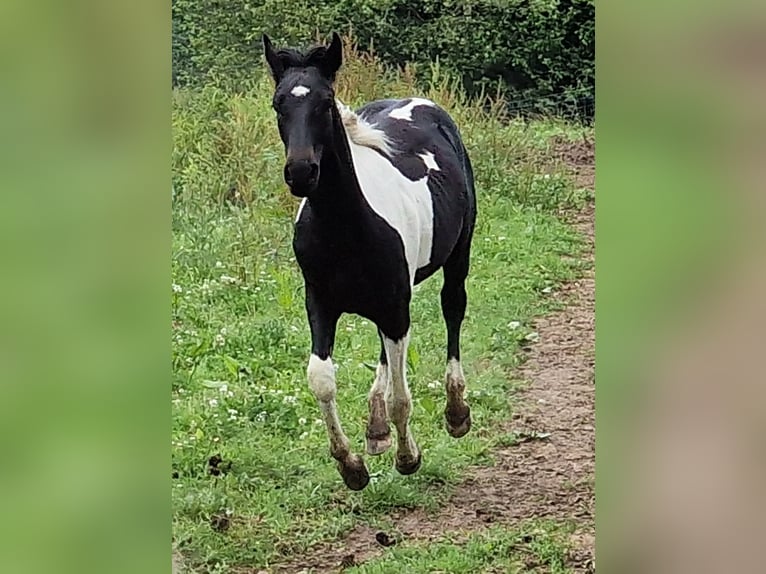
pixel 550 471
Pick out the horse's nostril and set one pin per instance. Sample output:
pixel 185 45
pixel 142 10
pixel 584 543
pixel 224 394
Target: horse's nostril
pixel 301 173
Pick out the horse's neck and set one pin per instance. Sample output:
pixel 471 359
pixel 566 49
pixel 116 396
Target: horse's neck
pixel 339 193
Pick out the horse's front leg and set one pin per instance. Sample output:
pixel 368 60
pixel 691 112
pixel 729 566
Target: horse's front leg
pixel 321 376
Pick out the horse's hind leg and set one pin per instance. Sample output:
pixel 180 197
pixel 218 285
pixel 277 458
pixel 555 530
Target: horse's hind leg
pixel 453 300
pixel 378 431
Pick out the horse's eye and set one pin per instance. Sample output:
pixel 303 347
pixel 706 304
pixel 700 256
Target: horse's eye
pixel 323 107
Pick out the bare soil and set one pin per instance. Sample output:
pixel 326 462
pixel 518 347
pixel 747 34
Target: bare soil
pixel 550 470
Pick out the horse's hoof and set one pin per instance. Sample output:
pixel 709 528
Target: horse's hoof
pixel 379 445
pixel 458 421
pixel 354 472
pixel 407 465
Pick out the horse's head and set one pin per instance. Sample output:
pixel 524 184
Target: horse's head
pixel 304 99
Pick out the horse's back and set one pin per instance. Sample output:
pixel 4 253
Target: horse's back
pixel 414 125
pixel 427 143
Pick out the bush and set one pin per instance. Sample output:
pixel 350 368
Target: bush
pixel 226 146
pixel 539 52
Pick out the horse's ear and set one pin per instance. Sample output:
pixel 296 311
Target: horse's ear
pixel 277 69
pixel 333 58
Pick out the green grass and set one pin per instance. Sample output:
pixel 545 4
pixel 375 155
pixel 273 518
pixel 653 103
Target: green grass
pixel 539 546
pixel 241 339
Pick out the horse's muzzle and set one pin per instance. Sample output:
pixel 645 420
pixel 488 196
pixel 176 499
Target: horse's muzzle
pixel 301 176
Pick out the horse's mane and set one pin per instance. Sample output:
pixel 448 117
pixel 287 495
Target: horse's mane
pixel 292 58
pixel 361 132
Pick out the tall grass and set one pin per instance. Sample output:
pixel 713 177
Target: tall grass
pixel 226 145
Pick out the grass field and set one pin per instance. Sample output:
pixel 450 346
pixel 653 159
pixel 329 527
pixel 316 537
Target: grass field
pixel 253 482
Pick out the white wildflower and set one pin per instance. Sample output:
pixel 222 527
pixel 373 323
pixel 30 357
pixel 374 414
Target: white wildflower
pixel 218 264
pixel 302 421
pixel 213 402
pixel 228 280
pixel 177 288
pixel 304 435
pixel 514 325
pixel 220 340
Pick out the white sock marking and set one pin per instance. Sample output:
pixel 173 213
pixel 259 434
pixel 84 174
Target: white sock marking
pixel 321 375
pixel 300 91
pixel 380 385
pixel 398 397
pixel 454 369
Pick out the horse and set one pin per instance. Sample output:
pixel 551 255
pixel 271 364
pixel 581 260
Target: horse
pixel 388 199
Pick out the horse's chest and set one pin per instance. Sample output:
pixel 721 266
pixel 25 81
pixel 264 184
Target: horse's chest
pixel 358 275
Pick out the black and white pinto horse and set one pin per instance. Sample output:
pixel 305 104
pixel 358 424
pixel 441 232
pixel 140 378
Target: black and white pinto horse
pixel 388 199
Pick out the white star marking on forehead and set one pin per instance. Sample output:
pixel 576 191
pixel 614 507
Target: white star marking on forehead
pixel 430 161
pixel 300 91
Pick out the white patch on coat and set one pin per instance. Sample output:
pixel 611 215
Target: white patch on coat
pixel 380 384
pixel 398 396
pixel 405 112
pixel 321 376
pixel 300 209
pixel 361 132
pixel 404 204
pixel 430 161
pixel 300 91
pixel 396 354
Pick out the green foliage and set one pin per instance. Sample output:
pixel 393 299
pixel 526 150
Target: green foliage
pixel 541 53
